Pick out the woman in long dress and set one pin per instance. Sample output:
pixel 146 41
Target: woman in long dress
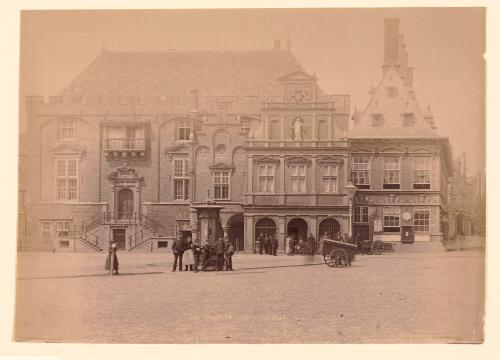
pixel 188 258
pixel 287 245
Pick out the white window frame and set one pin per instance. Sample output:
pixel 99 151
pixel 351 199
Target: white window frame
pixel 66 178
pixel 66 130
pixel 63 228
pixel 330 177
pixel 392 219
pixel 183 129
pixel 359 167
pixel 298 178
pixel 218 181
pixel 392 167
pixel 417 167
pixel 181 176
pixel 360 215
pixel 267 178
pixel 424 224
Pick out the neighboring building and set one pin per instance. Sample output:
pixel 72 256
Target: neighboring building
pixel 399 163
pixel 467 203
pixel 138 140
pixel 21 196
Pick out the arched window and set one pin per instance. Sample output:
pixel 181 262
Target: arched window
pixel 265 226
pixel 330 227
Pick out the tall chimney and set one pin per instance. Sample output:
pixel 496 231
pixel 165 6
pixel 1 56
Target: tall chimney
pixel 391 42
pixel 409 77
pixel 464 166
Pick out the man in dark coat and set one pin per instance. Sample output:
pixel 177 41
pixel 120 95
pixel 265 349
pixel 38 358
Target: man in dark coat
pixel 178 250
pixel 112 253
pixel 267 245
pixel 228 255
pixel 260 242
pixel 196 254
pixel 204 254
pixel 274 244
pixel 359 244
pixel 311 242
pixel 220 249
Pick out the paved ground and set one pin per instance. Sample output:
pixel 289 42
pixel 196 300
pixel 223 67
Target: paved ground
pixel 391 298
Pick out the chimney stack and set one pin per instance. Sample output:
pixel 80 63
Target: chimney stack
pixel 391 42
pixel 464 166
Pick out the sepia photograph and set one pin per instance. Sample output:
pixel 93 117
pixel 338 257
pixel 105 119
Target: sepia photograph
pixel 252 176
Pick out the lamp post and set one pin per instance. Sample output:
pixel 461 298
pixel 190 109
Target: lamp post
pixel 350 190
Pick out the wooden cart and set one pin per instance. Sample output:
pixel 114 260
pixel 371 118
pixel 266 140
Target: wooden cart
pixel 337 253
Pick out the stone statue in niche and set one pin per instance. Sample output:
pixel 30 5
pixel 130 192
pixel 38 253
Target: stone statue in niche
pixel 297 129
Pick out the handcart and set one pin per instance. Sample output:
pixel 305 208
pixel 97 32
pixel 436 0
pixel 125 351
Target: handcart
pixel 337 253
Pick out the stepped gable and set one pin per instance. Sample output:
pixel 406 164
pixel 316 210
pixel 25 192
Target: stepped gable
pixel 393 109
pixel 175 73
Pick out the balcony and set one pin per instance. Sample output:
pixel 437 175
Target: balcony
pixel 124 147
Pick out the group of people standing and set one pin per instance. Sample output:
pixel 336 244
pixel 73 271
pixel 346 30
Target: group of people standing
pixel 268 243
pixel 297 245
pixel 193 256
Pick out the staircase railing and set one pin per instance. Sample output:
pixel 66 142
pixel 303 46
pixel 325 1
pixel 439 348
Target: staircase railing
pixel 149 227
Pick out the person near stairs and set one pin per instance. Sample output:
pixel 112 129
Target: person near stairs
pixel 112 253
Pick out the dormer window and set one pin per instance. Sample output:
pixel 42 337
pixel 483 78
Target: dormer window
pixel 183 129
pixel 377 120
pixel 392 91
pixel 66 130
pixel 408 120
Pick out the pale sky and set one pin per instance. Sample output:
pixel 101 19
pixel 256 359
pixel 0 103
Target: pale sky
pixel 344 48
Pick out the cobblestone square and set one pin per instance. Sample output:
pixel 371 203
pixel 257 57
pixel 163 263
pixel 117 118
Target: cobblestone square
pixel 390 298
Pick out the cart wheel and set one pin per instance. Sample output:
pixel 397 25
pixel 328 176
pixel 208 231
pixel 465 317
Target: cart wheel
pixel 340 256
pixel 330 260
pixel 378 248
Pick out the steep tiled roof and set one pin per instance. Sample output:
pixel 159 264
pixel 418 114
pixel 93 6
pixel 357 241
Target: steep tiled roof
pixel 175 73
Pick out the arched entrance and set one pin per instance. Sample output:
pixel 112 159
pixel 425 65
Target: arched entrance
pixel 236 233
pixel 264 226
pixel 125 204
pixel 330 227
pixel 297 227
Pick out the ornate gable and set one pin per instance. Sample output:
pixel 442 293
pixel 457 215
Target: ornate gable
pixel 297 159
pixel 224 166
pixel 261 159
pixel 180 149
pixel 330 160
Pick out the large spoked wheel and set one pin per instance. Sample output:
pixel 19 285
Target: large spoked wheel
pixel 341 258
pixel 330 260
pixel 378 247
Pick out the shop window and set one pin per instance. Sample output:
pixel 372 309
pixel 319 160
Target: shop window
pixel 421 220
pixel 391 219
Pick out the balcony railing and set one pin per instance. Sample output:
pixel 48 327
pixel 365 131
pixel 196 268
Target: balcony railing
pixel 122 144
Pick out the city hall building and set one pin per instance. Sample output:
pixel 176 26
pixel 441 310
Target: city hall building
pixel 139 140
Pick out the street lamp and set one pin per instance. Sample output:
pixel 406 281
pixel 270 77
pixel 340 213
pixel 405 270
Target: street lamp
pixel 350 190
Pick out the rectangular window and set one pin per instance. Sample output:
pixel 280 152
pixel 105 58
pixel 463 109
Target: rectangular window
pixel 361 172
pixel 329 175
pixel 162 244
pixel 66 179
pixel 45 225
pixel 408 120
pixel 377 120
pixel 183 129
pixel 125 137
pixel 66 130
pixel 181 179
pixel 63 228
pixel 391 172
pixel 422 173
pixel 64 243
pixel 391 219
pixel 360 214
pixel 298 178
pixel 221 185
pixel 421 220
pixel 392 91
pixel 266 178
